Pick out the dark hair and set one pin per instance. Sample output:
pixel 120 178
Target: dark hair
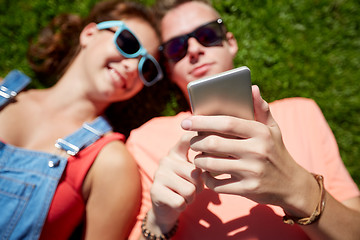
pixel 164 98
pixel 58 43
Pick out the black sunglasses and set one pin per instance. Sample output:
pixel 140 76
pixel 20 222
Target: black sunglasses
pixel 208 35
pixel 129 46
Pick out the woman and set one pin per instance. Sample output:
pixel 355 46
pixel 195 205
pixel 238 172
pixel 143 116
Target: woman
pixel 88 177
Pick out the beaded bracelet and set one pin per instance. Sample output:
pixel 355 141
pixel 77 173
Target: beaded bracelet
pixel 318 210
pixel 150 236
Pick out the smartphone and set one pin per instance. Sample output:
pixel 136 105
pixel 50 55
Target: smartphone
pixel 227 93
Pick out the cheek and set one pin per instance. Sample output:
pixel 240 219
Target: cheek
pixel 100 50
pixel 226 58
pixel 130 93
pixel 178 71
pixel 94 57
pixel 138 85
pixel 181 81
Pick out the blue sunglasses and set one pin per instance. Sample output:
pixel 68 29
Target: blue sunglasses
pixel 129 46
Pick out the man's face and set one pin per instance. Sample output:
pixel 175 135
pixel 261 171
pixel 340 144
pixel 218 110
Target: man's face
pixel 199 61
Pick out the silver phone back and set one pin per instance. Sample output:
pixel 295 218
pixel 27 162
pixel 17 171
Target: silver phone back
pixel 227 93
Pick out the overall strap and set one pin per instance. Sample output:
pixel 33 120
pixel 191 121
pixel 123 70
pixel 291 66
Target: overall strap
pixel 85 136
pixel 12 84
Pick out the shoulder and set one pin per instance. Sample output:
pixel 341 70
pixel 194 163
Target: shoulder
pixel 114 191
pixel 112 161
pixel 150 142
pixel 299 117
pixel 295 108
pixel 158 125
pixel 112 166
pixel 158 133
pixel 114 154
pixel 293 103
pixel 165 120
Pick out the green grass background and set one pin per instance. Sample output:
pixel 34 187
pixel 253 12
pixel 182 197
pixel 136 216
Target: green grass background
pixel 293 48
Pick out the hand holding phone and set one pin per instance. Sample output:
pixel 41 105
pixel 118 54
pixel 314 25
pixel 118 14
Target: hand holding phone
pixel 228 93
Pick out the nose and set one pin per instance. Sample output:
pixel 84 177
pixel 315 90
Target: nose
pixel 195 49
pixel 131 66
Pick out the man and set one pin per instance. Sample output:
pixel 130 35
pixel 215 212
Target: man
pixel 270 170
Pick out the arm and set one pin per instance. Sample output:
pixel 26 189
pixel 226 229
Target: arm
pixel 115 194
pixel 262 169
pixel 176 183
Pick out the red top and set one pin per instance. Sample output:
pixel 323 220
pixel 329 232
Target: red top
pixel 68 206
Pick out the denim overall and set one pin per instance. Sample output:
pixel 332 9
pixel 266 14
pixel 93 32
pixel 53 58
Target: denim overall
pixel 28 179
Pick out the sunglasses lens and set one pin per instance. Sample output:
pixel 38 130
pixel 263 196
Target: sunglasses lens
pixel 127 42
pixel 176 48
pixel 149 71
pixel 209 35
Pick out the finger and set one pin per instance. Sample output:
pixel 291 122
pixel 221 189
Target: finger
pixel 163 196
pixel 216 184
pixel 223 125
pixel 185 184
pixel 236 167
pixel 231 185
pixel 229 147
pixel 182 147
pixel 261 108
pixel 173 165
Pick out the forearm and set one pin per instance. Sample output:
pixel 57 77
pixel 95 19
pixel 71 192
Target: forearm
pixel 336 222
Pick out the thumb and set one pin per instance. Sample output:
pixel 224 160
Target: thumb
pixel 261 108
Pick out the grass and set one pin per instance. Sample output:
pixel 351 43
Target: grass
pixel 294 48
pixel 308 49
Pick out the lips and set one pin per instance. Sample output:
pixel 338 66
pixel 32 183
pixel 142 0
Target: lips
pixel 200 71
pixel 116 78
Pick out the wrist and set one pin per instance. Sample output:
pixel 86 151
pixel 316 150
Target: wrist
pixel 317 210
pixel 303 195
pixel 153 230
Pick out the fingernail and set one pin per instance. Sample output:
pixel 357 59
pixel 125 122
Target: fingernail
pixel 186 124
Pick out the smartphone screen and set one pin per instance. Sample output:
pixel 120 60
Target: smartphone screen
pixel 228 93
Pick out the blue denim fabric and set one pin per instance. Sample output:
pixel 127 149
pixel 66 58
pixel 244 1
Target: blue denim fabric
pixel 27 185
pixel 12 84
pixel 28 180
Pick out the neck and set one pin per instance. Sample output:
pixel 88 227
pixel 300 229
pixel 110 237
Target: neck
pixel 69 98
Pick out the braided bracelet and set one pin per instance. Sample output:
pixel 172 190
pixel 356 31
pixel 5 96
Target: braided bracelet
pixel 150 236
pixel 318 210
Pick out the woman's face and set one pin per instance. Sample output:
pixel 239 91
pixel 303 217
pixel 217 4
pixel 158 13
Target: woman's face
pixel 114 77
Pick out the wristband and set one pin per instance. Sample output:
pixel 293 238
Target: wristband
pixel 150 236
pixel 318 210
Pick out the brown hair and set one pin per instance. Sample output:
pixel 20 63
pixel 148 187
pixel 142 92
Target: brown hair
pixel 58 43
pixel 164 98
pixel 161 7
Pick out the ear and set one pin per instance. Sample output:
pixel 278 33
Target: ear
pixel 87 33
pixel 233 46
